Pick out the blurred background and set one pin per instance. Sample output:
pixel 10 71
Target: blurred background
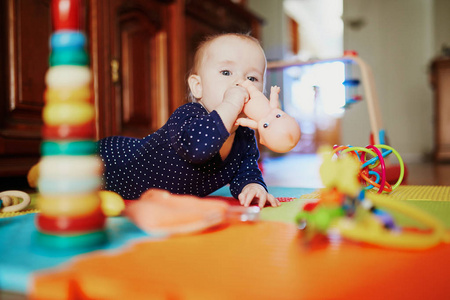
pixel 141 51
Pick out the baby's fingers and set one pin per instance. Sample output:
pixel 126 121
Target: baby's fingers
pixel 246 198
pixel 273 201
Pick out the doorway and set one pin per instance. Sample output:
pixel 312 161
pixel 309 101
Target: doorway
pixel 313 93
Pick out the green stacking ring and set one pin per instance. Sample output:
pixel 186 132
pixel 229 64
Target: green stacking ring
pixel 85 147
pixel 75 57
pixel 72 242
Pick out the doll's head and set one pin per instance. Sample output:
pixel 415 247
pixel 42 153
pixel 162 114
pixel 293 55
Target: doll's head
pixel 278 131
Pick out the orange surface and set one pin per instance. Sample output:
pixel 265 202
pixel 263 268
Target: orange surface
pixel 265 260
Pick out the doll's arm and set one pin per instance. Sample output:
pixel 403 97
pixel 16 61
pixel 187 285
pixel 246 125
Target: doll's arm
pixel 247 123
pixel 274 92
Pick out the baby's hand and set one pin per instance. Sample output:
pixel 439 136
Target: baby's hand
pixel 255 192
pixel 237 96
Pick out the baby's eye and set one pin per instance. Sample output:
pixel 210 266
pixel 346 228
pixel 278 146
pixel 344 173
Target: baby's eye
pixel 251 78
pixel 278 116
pixel 225 73
pixel 265 125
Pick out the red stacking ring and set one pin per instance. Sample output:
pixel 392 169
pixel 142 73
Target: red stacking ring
pixel 66 131
pixel 66 14
pixel 64 224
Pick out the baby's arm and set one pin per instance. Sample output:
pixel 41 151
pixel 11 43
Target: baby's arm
pixel 255 191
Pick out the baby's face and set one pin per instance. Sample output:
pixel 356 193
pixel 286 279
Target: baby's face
pixel 229 60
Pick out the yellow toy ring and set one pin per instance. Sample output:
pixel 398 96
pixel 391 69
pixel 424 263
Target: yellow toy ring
pixel 71 113
pixel 68 205
pixel 68 95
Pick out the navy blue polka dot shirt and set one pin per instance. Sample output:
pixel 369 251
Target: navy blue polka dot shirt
pixel 181 157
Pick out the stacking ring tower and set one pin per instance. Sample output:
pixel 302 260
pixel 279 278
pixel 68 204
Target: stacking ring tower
pixel 70 170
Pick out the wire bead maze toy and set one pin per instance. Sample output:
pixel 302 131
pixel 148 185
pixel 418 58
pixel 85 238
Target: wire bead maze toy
pixel 372 172
pixel 344 209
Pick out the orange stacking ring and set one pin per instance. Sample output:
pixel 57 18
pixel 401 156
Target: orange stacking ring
pixel 68 95
pixel 69 205
pixel 66 131
pixel 64 224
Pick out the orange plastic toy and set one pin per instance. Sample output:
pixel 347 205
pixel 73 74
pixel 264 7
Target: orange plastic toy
pixel 159 212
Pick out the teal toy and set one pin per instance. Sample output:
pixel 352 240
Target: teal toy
pixel 73 57
pixel 83 147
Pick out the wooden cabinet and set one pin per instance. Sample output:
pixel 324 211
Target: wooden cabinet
pixel 440 76
pixel 140 51
pixel 130 63
pixel 23 54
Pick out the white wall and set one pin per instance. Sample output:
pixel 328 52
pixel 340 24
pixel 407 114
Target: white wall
pixel 274 34
pixel 396 39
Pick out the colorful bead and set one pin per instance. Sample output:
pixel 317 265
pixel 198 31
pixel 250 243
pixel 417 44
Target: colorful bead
pixel 68 113
pixel 82 94
pixel 65 131
pixel 68 77
pixel 92 222
pixel 65 205
pixel 66 39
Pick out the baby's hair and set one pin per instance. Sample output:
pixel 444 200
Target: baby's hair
pixel 201 49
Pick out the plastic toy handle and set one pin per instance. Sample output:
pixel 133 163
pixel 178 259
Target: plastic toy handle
pixel 25 201
pixel 380 236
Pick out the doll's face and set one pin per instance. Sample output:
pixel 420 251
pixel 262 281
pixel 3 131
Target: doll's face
pixel 279 131
pixel 227 61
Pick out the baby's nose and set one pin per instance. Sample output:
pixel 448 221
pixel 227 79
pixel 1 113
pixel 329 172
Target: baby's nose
pixel 240 81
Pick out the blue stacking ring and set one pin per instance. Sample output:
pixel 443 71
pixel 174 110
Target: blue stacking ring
pixel 48 185
pixel 84 147
pixel 65 39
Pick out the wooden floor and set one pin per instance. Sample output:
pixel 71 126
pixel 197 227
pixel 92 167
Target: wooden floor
pixel 302 170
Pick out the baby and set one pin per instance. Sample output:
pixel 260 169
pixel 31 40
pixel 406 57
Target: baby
pixel 200 149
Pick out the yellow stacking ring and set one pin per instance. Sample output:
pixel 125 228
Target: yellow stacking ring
pixel 73 113
pixel 70 166
pixel 68 95
pixel 66 76
pixel 68 205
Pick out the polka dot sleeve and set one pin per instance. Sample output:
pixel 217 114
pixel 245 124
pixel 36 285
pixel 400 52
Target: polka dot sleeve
pixel 249 171
pixel 196 135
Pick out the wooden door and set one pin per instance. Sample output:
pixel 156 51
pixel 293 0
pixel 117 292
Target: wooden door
pixel 440 75
pixel 25 28
pixel 133 92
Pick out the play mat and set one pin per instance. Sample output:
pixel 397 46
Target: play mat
pixel 261 260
